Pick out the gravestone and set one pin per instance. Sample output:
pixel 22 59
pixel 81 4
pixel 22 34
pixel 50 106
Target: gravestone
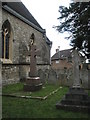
pixel 42 76
pixel 52 77
pixel 33 82
pixel 47 74
pixel 76 99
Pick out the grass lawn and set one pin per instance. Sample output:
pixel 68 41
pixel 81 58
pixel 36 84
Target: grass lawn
pixel 33 108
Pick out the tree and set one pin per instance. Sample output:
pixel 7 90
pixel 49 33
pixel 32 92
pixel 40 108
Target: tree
pixel 76 21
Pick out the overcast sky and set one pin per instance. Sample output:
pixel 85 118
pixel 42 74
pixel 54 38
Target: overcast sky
pixel 46 13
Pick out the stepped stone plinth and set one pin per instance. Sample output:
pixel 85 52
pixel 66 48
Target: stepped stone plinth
pixel 32 84
pixel 76 99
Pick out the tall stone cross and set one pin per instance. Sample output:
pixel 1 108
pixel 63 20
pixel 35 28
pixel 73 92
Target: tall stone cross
pixel 33 63
pixel 33 82
pixel 76 72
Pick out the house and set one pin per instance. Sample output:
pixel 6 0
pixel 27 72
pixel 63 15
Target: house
pixel 62 59
pixel 18 25
pixel 62 64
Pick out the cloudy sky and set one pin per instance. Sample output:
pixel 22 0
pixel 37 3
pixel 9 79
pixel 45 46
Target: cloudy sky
pixel 46 13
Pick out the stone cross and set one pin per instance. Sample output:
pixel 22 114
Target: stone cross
pixel 33 82
pixel 76 72
pixel 33 54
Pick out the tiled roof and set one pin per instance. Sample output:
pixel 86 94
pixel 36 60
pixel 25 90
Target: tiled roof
pixel 19 8
pixel 62 54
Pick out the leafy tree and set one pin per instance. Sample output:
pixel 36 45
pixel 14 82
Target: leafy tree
pixel 75 19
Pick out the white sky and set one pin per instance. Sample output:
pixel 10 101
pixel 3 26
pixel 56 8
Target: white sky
pixel 46 14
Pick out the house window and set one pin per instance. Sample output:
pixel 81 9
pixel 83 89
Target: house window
pixel 6 42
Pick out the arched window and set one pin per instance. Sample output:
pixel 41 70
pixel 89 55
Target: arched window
pixel 6 40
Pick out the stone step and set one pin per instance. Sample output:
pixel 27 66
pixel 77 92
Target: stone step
pixel 32 88
pixel 76 108
pixel 77 91
pixel 73 89
pixel 76 99
pixel 76 96
pixel 75 102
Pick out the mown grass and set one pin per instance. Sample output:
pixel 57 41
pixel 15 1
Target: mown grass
pixel 17 89
pixel 33 108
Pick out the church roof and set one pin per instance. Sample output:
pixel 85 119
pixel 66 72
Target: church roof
pixel 62 54
pixel 19 10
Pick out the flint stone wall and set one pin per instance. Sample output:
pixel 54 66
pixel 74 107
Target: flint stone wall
pixel 10 74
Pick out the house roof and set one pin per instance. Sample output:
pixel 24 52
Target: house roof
pixel 20 11
pixel 62 54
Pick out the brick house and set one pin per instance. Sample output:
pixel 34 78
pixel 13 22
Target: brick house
pixel 62 64
pixel 18 25
pixel 62 59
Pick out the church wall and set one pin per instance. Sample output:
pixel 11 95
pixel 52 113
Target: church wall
pixel 10 74
pixel 21 37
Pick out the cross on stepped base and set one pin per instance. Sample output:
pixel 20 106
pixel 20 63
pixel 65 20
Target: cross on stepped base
pixel 76 99
pixel 33 82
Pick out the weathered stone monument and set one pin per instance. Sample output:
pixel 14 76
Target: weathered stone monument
pixel 33 82
pixel 76 99
pixel 42 76
pixel 52 77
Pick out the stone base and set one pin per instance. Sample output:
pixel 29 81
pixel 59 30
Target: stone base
pixel 75 100
pixel 32 88
pixel 32 84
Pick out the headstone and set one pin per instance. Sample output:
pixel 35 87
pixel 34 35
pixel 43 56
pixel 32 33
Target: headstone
pixel 52 77
pixel 76 99
pixel 33 82
pixel 42 76
pixel 47 74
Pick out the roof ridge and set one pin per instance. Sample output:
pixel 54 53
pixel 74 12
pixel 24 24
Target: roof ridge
pixel 56 56
pixel 24 13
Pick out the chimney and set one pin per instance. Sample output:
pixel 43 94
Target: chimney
pixel 57 50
